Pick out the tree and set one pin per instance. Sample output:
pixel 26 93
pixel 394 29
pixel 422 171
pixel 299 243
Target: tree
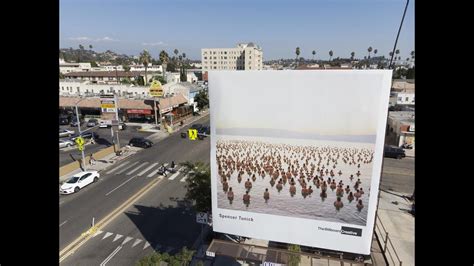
pixel 164 58
pixel 94 64
pixel 126 68
pixel 198 185
pixel 90 46
pixel 140 81
pixel 352 55
pixel 176 52
pixel 145 59
pixel 330 55
pixel 61 76
pixel 293 259
pixel 396 53
pixel 297 55
pixel 202 99
pixel 185 256
pixel 370 50
pixel 314 53
pixel 375 52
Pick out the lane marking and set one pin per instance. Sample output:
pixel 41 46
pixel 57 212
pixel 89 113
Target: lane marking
pixel 136 168
pixel 146 170
pixel 63 223
pixel 117 237
pixel 118 167
pixel 111 255
pixel 146 245
pixel 107 235
pixel 120 185
pixel 184 178
pixel 97 233
pixel 126 168
pixel 137 241
pixel 176 174
pixel 126 240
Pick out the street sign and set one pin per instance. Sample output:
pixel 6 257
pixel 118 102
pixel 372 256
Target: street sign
pixel 155 89
pixel 79 141
pixel 80 147
pixel 192 134
pixel 201 217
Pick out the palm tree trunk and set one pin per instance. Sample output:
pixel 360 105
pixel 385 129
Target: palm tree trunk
pixel 146 78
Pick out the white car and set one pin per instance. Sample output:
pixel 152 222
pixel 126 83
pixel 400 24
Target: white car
pixel 65 133
pixel 63 143
pixel 78 181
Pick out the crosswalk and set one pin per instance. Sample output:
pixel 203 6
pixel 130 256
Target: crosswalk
pixel 148 169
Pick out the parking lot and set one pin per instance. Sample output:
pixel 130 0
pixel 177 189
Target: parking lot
pixel 104 140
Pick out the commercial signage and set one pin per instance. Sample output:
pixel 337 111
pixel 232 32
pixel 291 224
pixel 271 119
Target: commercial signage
pixel 139 111
pixel 156 90
pixel 107 104
pixel 201 218
pixel 300 160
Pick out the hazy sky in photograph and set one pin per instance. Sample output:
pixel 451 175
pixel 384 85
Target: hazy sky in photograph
pixel 278 26
pixel 330 102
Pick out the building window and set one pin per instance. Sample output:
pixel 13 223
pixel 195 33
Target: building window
pixel 62 88
pixel 215 62
pixel 214 53
pixel 205 57
pixel 250 57
pixel 406 99
pixel 215 67
pixel 399 99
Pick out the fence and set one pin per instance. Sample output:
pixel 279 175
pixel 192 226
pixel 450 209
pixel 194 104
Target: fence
pixel 388 250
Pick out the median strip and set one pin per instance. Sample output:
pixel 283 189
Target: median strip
pixel 77 243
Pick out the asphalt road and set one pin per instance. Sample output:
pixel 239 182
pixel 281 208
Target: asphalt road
pixel 99 199
pixel 104 141
pixel 398 175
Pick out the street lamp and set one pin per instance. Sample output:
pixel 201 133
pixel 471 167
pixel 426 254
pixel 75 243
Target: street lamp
pixel 398 34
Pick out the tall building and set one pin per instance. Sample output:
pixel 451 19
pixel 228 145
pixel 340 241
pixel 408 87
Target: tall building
pixel 247 56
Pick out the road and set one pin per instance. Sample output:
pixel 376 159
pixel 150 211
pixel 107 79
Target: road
pixel 105 140
pixel 121 181
pixel 398 175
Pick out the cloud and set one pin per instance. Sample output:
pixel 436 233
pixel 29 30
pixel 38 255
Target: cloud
pixel 160 43
pixel 80 39
pixel 104 39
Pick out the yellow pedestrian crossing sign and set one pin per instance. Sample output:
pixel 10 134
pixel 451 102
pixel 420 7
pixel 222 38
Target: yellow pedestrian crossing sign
pixel 192 134
pixel 79 141
pixel 80 147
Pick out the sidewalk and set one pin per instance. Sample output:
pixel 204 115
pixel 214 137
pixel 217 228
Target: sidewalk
pixel 399 224
pixel 410 152
pixel 103 163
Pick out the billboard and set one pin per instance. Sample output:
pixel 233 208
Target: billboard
pixel 296 156
pixel 156 90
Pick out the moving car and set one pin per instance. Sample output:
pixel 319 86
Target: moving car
pixel 140 142
pixel 92 122
pixel 63 121
pixel 79 181
pixel 104 124
pixel 393 152
pixel 63 143
pixel 65 133
pixel 204 131
pixel 196 126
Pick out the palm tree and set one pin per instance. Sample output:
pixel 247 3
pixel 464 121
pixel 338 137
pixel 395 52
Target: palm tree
pixel 164 58
pixel 145 59
pixel 90 46
pixel 397 52
pixel 330 55
pixel 370 50
pixel 297 55
pixel 352 55
pixel 314 53
pixel 375 52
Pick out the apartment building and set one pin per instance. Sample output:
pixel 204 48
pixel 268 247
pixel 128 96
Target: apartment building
pixel 246 56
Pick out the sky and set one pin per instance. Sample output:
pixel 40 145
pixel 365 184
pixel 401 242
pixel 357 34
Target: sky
pixel 331 102
pixel 278 26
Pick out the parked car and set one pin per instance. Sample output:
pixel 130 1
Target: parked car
pixel 92 122
pixel 79 181
pixel 393 152
pixel 65 133
pixel 104 124
pixel 121 126
pixel 204 131
pixel 140 142
pixel 63 143
pixel 86 135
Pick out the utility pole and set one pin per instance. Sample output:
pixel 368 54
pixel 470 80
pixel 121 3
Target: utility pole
pixel 79 129
pixel 118 121
pixel 398 34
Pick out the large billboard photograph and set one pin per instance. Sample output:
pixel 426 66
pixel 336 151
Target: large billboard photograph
pixel 296 155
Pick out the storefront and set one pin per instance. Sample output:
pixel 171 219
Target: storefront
pixel 140 115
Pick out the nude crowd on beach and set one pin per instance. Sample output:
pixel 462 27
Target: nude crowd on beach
pixel 293 169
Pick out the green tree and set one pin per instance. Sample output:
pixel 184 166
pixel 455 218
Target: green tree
pixel 370 50
pixel 140 81
pixel 330 55
pixel 94 64
pixel 145 59
pixel 90 47
pixel 161 79
pixel 126 68
pixel 185 256
pixel 411 73
pixel 352 55
pixel 297 55
pixel 198 185
pixel 293 259
pixel 202 99
pixel 164 58
pixel 375 52
pixel 314 53
pixel 61 76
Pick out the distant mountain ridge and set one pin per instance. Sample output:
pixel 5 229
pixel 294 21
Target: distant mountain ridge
pixel 282 133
